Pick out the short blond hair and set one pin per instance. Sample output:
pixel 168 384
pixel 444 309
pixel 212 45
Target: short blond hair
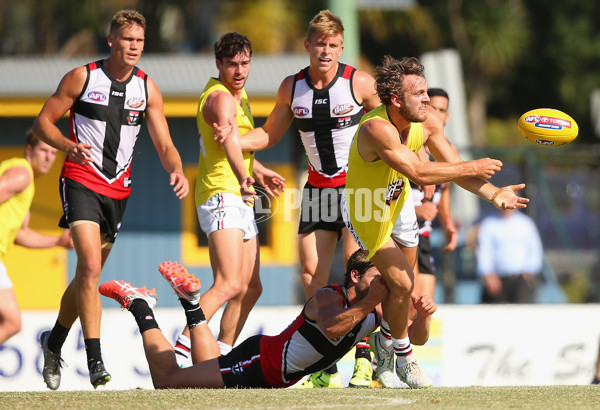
pixel 325 23
pixel 125 18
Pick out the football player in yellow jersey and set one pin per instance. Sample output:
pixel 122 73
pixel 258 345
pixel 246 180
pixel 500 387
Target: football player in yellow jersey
pixel 383 136
pixel 16 193
pixel 224 194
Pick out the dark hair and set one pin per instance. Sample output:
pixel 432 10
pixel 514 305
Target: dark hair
pixel 438 92
pixel 31 139
pixel 358 262
pixel 232 44
pixel 390 74
pixel 125 18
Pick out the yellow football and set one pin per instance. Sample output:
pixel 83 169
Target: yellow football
pixel 549 127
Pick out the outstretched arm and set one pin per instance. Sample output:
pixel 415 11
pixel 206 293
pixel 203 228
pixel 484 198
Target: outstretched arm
pixel 272 131
pixel 159 132
pixel 30 238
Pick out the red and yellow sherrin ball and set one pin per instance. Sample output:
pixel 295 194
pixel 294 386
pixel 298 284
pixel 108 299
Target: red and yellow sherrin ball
pixel 548 127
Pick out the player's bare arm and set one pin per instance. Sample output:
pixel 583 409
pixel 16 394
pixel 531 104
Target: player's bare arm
pixel 440 148
pixel 379 139
pixel 221 108
pixel 335 320
pixel 277 123
pixel 55 108
pixel 364 90
pixel 161 138
pixel 13 181
pixel 418 329
pixel 270 180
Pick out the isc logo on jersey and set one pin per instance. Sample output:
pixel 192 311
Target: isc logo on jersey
pixel 96 96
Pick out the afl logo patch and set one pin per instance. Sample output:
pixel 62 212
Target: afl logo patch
pixel 96 96
pixel 300 111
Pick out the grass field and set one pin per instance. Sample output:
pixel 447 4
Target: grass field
pixel 536 397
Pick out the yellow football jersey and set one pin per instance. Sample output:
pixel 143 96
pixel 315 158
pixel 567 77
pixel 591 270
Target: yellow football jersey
pixel 214 172
pixel 375 193
pixel 13 211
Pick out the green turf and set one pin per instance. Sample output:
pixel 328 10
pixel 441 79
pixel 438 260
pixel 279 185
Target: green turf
pixel 530 397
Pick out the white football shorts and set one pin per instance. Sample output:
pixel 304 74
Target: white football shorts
pixel 5 282
pixel 227 211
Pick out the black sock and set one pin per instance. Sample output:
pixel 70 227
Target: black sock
pixel 92 350
pixel 362 352
pixel 332 370
pixel 57 337
pixel 143 314
pixel 193 314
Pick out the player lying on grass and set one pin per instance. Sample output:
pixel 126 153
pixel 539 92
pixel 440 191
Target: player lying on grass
pixel 331 323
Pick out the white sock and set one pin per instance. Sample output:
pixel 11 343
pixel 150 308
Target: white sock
pixel 385 338
pixel 224 347
pixel 182 349
pixel 402 348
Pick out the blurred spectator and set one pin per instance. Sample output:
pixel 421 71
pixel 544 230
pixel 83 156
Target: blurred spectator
pixel 509 257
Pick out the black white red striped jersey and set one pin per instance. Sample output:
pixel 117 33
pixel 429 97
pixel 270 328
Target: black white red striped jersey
pixel 107 115
pixel 327 119
pixel 302 348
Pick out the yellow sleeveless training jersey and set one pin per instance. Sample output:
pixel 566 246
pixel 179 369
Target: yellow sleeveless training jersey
pixel 13 211
pixel 214 172
pixel 375 193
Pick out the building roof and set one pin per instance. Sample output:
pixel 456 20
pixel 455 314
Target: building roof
pixel 176 75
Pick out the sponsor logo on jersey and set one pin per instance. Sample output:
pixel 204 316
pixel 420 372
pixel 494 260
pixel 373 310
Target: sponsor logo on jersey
pixel 117 93
pixel 321 101
pixel 96 96
pixel 342 109
pixel 301 111
pixel 135 102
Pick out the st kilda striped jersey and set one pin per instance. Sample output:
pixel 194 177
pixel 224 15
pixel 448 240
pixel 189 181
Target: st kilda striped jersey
pixel 302 348
pixel 327 120
pixel 107 115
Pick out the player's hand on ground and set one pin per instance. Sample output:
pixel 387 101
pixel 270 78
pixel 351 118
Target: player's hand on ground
pixel 180 184
pixel 424 305
pixel 485 168
pixel 221 132
pixel 247 191
pixel 506 197
pixel 80 154
pixel 427 211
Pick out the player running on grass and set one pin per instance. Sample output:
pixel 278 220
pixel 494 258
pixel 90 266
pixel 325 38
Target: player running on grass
pixel 330 324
